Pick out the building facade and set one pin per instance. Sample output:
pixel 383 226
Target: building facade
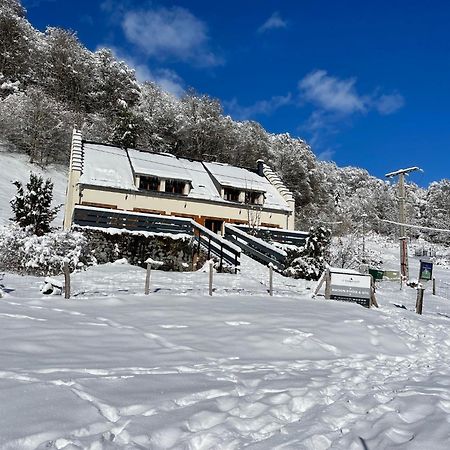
pixel 105 176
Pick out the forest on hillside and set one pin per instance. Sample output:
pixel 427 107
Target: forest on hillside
pixel 50 81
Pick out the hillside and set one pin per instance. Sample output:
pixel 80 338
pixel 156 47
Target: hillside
pixel 51 81
pixel 17 167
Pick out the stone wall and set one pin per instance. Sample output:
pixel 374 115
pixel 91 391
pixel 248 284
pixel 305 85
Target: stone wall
pixel 176 252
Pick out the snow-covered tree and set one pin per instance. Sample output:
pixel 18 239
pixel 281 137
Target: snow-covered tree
pixel 125 131
pixel 32 205
pixel 160 117
pixel 436 210
pixel 19 48
pixel 37 125
pixel 197 132
pixel 69 69
pixel 308 262
pixel 113 83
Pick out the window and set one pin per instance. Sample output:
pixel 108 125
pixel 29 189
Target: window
pixel 149 183
pixel 175 186
pixel 253 198
pixel 231 194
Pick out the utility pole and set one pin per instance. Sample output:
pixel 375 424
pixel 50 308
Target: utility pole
pixel 363 216
pixel 402 216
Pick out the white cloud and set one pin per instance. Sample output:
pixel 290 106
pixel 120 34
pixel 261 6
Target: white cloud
pixel 332 94
pixel 273 22
pixel 166 33
pixel 389 104
pixel 326 155
pixel 169 80
pixel 340 97
pixel 336 103
pixel 262 107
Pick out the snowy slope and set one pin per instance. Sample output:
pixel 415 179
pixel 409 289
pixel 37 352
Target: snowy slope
pixel 112 368
pixel 15 166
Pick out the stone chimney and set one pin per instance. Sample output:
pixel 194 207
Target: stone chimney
pixel 260 167
pixel 277 182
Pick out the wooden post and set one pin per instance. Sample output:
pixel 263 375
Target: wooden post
pixel 211 277
pixel 271 280
pixel 194 261
pixel 66 280
pixel 434 286
pixel 328 284
pixel 419 302
pixel 320 283
pixel 373 299
pixel 147 279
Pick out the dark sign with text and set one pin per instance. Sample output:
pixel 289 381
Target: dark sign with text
pixel 426 271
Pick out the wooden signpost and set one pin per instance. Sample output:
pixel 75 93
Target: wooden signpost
pixel 348 286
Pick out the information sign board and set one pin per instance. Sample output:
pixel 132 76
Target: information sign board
pixel 426 270
pixel 351 287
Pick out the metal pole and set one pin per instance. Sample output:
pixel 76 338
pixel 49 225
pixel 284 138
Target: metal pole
pixel 364 237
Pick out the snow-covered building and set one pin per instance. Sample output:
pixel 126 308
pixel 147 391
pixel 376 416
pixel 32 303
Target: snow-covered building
pixel 106 176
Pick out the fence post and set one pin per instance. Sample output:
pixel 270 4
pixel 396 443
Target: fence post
pixel 419 301
pixel 66 280
pixel 211 277
pixel 271 280
pixel 209 247
pixel 221 258
pixel 434 286
pixel 328 284
pixel 147 279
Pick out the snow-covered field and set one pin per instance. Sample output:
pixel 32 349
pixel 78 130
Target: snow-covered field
pixel 112 368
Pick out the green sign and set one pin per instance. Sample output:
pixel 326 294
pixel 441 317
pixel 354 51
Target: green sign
pixel 392 275
pixel 377 274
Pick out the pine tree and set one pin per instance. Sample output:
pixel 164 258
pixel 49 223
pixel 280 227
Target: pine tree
pixel 32 206
pixel 308 262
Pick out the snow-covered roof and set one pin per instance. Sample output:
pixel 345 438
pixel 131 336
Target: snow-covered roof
pixel 236 177
pixel 240 178
pixel 202 186
pixel 158 165
pixel 108 166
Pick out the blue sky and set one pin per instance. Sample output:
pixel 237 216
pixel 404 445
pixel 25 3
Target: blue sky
pixel 365 83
